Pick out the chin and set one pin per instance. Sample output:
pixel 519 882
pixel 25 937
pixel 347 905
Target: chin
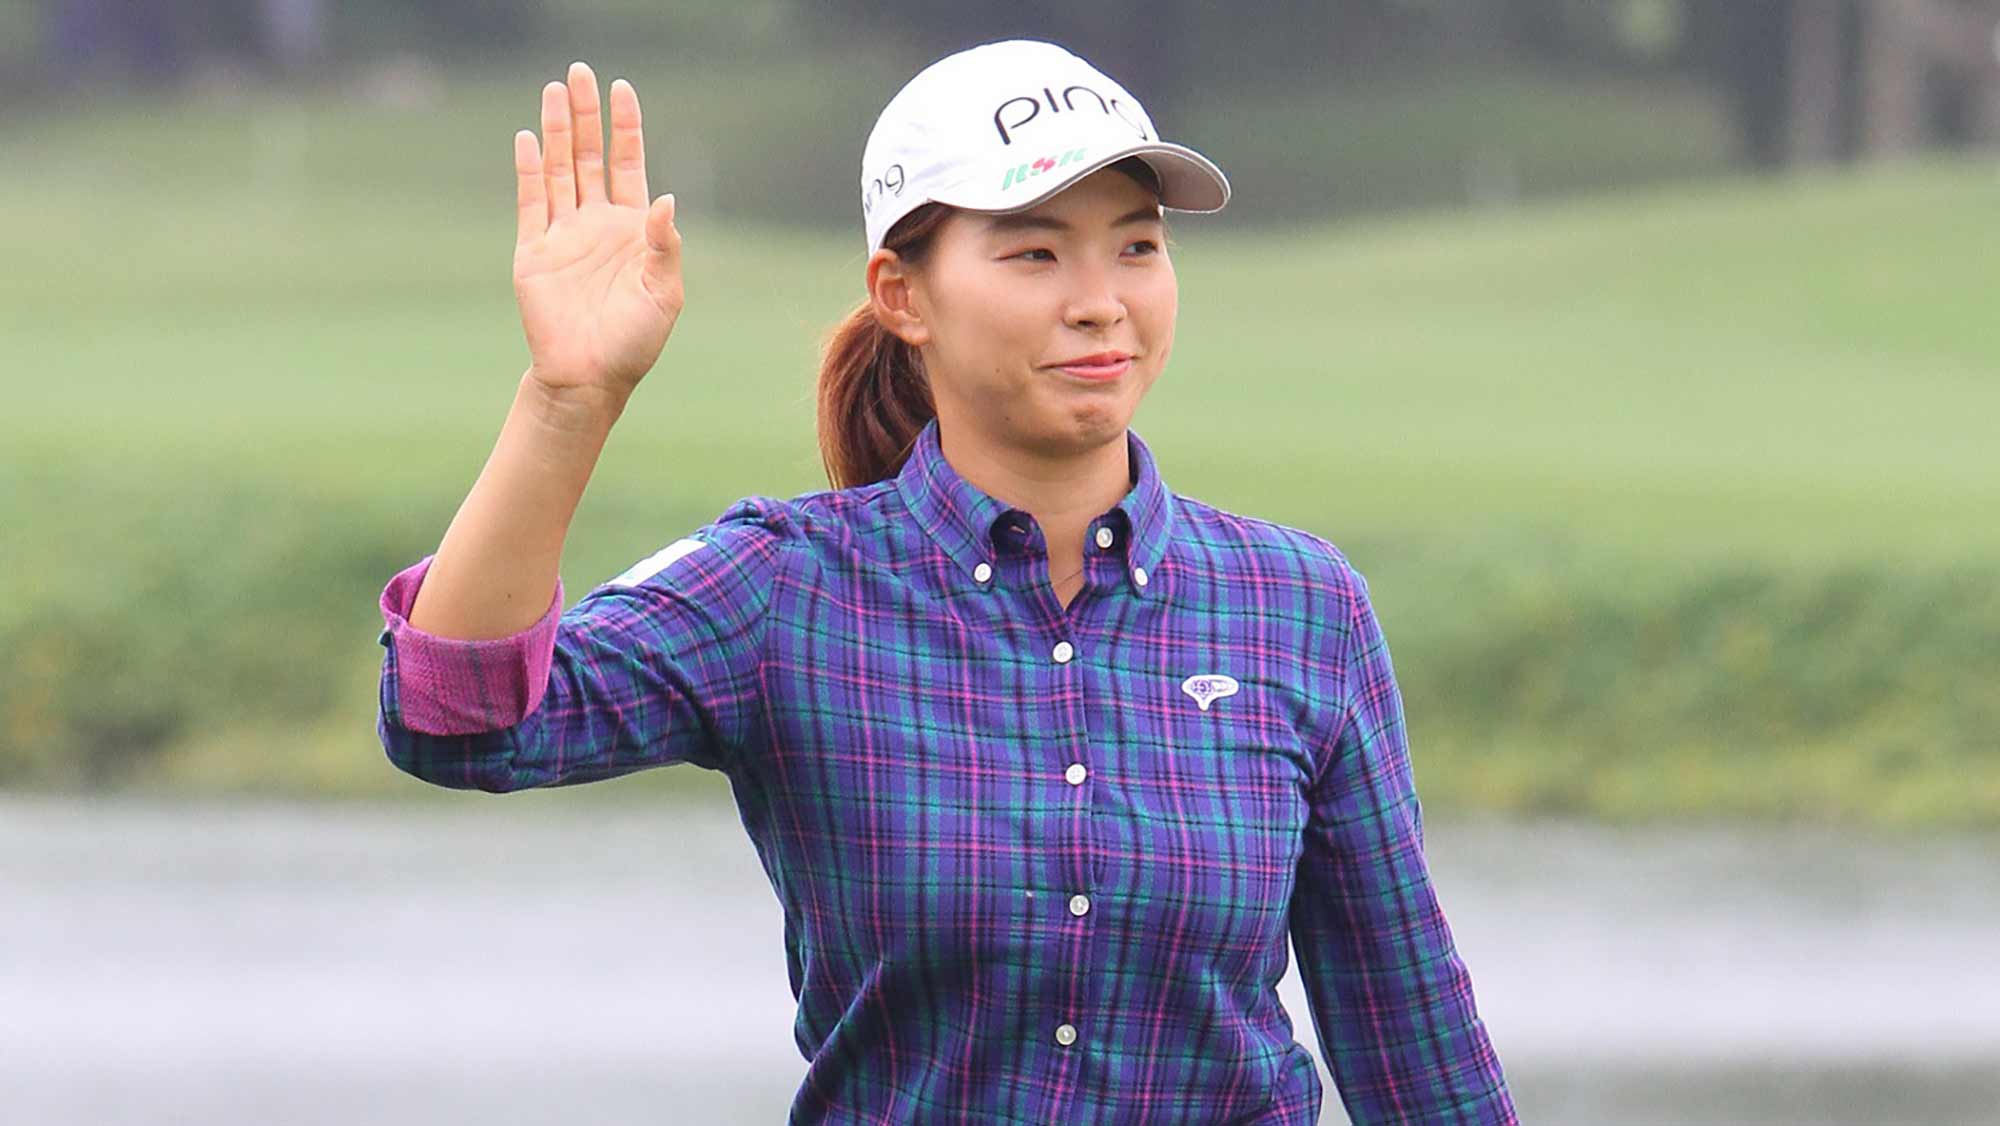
pixel 1085 427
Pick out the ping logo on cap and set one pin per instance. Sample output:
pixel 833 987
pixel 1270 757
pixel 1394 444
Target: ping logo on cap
pixel 1208 689
pixel 1022 173
pixel 1114 107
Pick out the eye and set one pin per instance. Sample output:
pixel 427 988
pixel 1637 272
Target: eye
pixel 1147 246
pixel 1036 250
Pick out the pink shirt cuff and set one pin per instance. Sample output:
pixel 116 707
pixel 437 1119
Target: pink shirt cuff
pixel 446 686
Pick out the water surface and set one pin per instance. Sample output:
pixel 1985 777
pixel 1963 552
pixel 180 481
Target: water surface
pixel 557 958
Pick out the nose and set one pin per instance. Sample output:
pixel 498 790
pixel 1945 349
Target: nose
pixel 1094 300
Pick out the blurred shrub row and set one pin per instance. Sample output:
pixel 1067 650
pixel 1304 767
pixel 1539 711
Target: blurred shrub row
pixel 233 608
pixel 1857 694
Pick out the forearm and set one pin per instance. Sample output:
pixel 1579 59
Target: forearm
pixel 495 570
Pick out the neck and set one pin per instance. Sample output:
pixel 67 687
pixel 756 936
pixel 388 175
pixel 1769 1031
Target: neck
pixel 1064 494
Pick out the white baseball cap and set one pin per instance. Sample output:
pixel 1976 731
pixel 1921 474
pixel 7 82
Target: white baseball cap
pixel 1003 126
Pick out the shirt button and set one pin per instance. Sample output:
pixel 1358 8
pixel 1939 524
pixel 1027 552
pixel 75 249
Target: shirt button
pixel 1079 905
pixel 1139 575
pixel 982 573
pixel 1076 774
pixel 1105 538
pixel 1065 1035
pixel 1064 651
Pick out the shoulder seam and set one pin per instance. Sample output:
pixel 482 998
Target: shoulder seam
pixel 1351 590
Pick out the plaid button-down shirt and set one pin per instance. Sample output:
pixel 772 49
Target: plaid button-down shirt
pixel 1037 864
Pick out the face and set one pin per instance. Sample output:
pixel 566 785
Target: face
pixel 1004 305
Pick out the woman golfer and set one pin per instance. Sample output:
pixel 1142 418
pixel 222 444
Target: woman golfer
pixel 1044 761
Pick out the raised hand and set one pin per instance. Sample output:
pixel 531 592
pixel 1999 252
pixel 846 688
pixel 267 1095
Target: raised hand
pixel 597 272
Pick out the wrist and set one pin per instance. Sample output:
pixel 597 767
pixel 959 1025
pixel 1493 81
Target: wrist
pixel 571 410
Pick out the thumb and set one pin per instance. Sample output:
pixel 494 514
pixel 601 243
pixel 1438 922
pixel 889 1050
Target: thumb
pixel 661 274
pixel 661 234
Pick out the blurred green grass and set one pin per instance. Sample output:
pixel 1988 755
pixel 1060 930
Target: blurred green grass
pixel 1675 503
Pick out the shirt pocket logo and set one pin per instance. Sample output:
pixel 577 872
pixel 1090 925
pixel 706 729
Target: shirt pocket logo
pixel 1207 688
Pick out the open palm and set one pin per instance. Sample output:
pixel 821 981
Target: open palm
pixel 597 270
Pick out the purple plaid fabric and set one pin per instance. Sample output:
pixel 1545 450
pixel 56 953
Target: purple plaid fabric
pixel 1037 865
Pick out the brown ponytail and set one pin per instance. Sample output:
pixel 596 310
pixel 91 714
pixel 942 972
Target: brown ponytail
pixel 874 398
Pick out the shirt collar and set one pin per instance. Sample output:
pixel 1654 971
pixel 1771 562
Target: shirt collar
pixel 962 519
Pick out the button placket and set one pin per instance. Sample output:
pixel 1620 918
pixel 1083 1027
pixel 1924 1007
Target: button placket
pixel 1063 653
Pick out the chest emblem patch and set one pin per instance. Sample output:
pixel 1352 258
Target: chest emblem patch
pixel 1209 688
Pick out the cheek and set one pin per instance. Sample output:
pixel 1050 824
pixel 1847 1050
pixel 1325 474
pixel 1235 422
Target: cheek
pixel 1157 319
pixel 992 325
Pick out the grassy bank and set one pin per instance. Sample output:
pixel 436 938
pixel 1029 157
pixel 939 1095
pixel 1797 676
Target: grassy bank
pixel 1674 504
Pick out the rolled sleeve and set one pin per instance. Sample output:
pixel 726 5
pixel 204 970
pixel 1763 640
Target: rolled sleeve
pixel 448 686
pixel 1391 999
pixel 658 666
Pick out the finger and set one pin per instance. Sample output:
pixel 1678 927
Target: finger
pixel 662 271
pixel 628 147
pixel 528 189
pixel 558 159
pixel 587 115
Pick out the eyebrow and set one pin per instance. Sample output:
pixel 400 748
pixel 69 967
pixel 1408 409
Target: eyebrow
pixel 1027 221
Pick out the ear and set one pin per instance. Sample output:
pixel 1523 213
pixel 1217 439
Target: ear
pixel 892 293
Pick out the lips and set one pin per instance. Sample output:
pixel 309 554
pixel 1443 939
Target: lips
pixel 1098 365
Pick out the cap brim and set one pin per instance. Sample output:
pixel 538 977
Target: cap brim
pixel 1189 181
